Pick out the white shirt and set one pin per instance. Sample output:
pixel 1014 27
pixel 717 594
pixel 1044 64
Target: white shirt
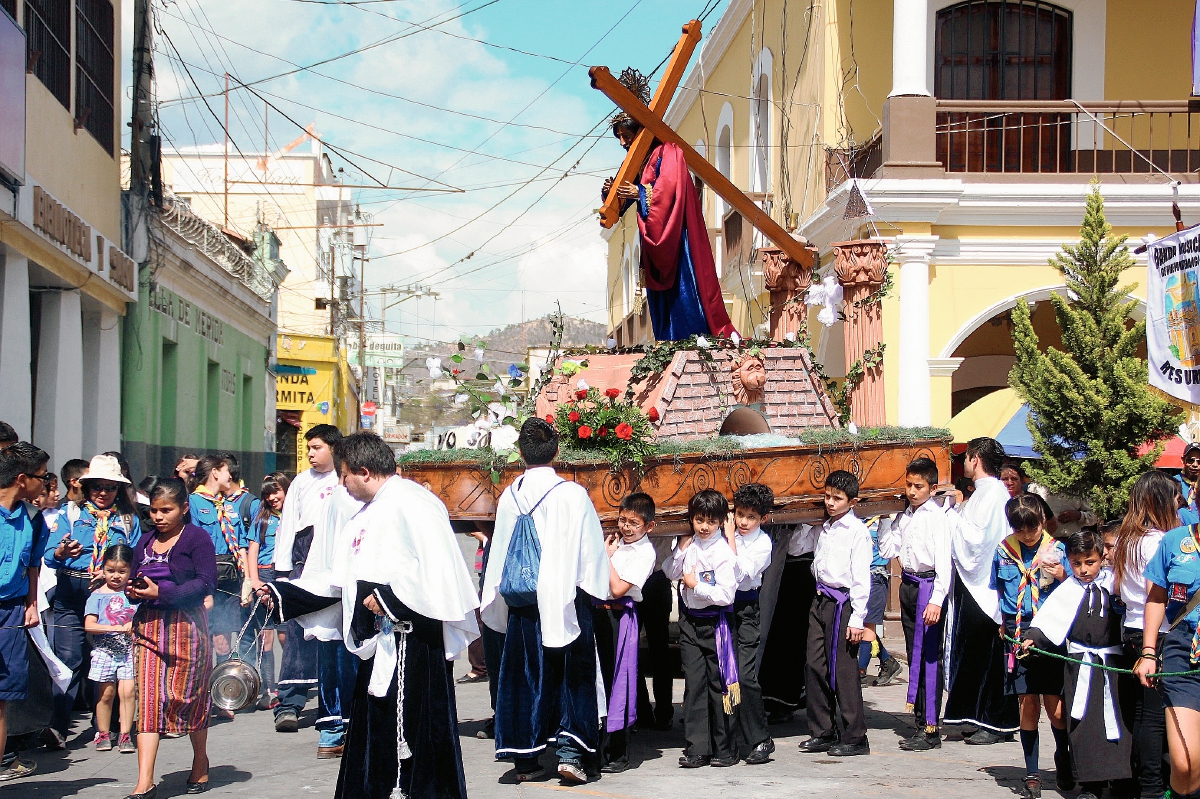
pixel 712 561
pixel 1133 584
pixel 573 553
pixel 304 506
pixel 752 558
pixel 317 577
pixel 920 537
pixel 841 559
pixel 634 563
pixel 976 533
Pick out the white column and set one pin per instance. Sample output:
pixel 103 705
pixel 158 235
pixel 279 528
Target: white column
pixel 910 44
pixel 16 379
pixel 58 411
pixel 913 253
pixel 100 390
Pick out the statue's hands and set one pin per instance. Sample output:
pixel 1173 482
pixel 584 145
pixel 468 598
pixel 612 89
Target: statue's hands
pixel 627 191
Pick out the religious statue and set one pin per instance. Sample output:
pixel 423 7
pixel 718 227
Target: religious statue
pixel 749 378
pixel 678 269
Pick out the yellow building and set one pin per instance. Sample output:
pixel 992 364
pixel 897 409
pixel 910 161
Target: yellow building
pixel 313 385
pixel 975 160
pixel 65 279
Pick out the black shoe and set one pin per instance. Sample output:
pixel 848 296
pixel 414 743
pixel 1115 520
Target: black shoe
pixel 922 741
pixel 984 737
pixel 723 762
pixel 150 794
pixel 814 745
pixel 694 761
pixel 1032 788
pixel 863 679
pixel 197 787
pixel 488 731
pixel 615 767
pixel 761 753
pixel 850 750
pixel 888 670
pixel 1064 776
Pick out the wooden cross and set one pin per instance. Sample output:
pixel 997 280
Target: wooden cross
pixel 653 128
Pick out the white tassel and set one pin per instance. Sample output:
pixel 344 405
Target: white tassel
pixel 403 752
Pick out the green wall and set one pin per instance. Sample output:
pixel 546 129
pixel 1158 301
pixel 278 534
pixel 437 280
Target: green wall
pixel 191 382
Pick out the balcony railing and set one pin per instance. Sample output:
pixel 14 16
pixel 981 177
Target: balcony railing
pixel 1065 137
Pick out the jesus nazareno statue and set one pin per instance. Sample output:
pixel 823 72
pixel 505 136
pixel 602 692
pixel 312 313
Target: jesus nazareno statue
pixel 678 270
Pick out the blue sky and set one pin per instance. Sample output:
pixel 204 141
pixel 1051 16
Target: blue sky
pixel 441 105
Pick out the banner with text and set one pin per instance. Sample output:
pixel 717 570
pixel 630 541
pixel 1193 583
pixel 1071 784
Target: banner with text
pixel 1172 315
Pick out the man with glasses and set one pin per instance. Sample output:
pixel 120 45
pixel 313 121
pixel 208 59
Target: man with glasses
pixel 1190 474
pixel 22 543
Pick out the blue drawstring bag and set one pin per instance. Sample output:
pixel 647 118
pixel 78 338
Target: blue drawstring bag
pixel 519 580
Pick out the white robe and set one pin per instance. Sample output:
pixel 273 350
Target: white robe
pixel 977 532
pixel 317 578
pixel 573 553
pixel 304 506
pixel 403 539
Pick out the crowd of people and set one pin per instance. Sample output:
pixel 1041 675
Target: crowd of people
pixel 123 599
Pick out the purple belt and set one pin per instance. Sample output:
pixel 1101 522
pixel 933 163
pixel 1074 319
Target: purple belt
pixel 622 695
pixel 925 653
pixel 726 653
pixel 841 596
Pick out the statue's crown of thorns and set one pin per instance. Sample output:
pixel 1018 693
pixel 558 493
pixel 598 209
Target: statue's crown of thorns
pixel 637 83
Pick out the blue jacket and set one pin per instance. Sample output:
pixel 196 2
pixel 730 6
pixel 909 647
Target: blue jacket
pixel 83 530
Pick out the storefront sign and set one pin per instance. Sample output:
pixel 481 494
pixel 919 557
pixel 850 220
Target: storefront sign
pixel 293 390
pixel 1173 315
pixel 122 270
pixel 382 350
pixel 170 304
pixel 52 218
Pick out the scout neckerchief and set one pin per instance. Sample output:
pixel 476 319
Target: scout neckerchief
pixel 1029 575
pixel 227 532
pixel 103 519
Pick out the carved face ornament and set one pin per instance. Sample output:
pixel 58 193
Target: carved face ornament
pixel 749 377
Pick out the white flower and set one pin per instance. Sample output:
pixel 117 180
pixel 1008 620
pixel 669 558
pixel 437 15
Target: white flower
pixel 460 399
pixel 479 354
pixel 434 365
pixel 790 335
pixel 735 338
pixel 582 385
pixel 498 388
pixel 702 342
pixel 853 428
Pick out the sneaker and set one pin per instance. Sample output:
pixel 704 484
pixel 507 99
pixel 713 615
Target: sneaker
pixel 125 744
pixel 571 772
pixel 286 722
pixel 53 739
pixel 1032 788
pixel 922 741
pixel 268 701
pixel 888 670
pixel 103 742
pixel 19 768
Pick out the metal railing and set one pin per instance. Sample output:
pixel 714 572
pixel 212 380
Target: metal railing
pixel 844 163
pixel 208 238
pixel 1068 137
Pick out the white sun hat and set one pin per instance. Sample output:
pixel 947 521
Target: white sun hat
pixel 104 467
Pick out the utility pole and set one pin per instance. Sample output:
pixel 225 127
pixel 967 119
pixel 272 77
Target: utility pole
pixel 226 150
pixel 143 141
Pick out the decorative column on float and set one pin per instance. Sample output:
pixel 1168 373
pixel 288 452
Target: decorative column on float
pixel 861 268
pixel 788 281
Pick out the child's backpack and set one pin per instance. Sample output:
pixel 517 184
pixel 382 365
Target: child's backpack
pixel 519 581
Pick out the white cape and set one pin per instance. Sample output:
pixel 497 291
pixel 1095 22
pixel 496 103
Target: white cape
pixel 304 505
pixel 977 532
pixel 1056 615
pixel 403 539
pixel 317 577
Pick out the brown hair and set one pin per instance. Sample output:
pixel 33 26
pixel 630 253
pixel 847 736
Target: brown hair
pixel 1152 506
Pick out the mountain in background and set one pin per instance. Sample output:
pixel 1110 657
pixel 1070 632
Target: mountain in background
pixel 508 344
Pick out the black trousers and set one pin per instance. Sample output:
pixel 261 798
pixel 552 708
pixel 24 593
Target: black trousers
pixel 908 619
pixel 70 645
pixel 823 636
pixel 654 618
pixel 707 729
pixel 614 746
pixel 751 714
pixel 1143 713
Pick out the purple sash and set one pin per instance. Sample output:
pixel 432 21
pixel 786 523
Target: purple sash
pixel 726 653
pixel 622 694
pixel 841 596
pixel 925 653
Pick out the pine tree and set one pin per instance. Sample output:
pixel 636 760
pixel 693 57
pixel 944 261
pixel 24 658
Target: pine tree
pixel 1090 406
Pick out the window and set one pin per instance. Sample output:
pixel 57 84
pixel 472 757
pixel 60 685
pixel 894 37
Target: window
pixel 1003 50
pixel 10 6
pixel 761 117
pixel 94 70
pixel 48 28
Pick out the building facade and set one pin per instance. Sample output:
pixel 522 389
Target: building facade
pixel 971 129
pixel 312 385
pixel 65 281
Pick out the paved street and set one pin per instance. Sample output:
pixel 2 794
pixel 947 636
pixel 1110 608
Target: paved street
pixel 249 759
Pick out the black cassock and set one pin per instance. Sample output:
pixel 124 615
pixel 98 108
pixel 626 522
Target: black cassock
pixel 975 666
pixel 370 757
pixel 789 588
pixel 1097 625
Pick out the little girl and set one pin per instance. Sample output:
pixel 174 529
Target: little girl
pixel 109 620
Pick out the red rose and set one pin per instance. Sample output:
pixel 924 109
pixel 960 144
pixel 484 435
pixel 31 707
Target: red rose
pixel 624 431
pixel 581 394
pixel 573 416
pixel 602 432
pixel 653 414
pixel 550 418
pixel 584 431
pixel 612 393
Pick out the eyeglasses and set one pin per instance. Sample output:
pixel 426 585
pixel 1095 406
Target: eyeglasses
pixel 105 487
pixel 45 477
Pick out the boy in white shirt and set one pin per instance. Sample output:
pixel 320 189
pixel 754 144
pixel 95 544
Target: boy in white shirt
pixel 703 562
pixel 631 560
pixel 920 537
pixel 842 566
pixel 752 505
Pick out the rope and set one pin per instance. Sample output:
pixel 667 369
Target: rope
pixel 1101 666
pixel 403 752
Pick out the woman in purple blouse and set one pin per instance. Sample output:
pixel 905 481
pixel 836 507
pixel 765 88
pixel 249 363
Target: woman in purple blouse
pixel 175 568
